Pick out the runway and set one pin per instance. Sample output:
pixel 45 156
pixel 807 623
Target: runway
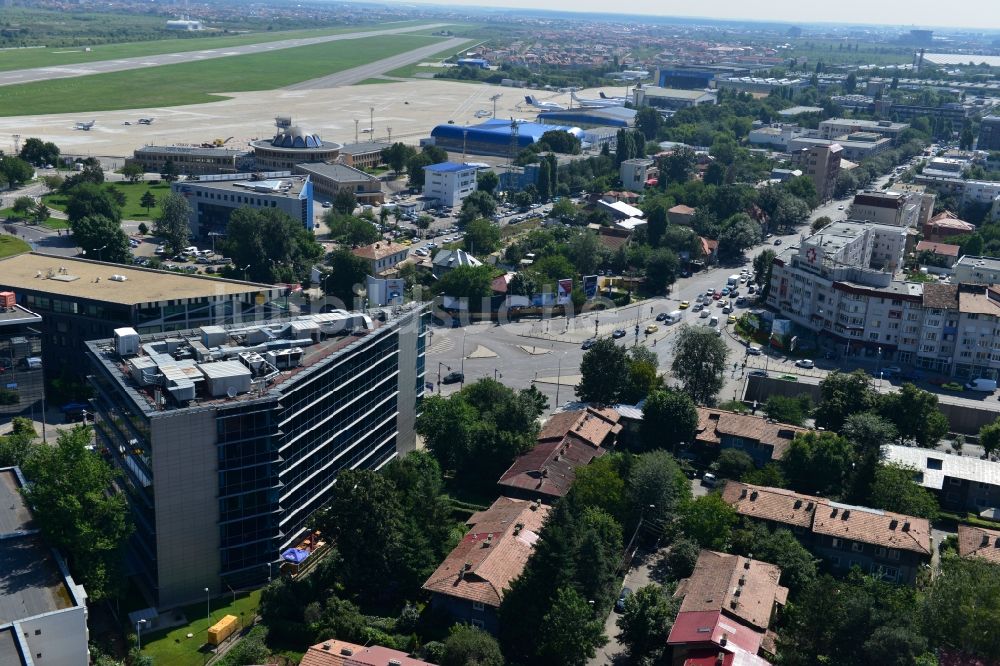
pixel 17 76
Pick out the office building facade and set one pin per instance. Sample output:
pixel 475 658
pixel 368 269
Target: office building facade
pixel 22 384
pixel 330 179
pixel 989 133
pixel 190 160
pixel 449 182
pixel 229 439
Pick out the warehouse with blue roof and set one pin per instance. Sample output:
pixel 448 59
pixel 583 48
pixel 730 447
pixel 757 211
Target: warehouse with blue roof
pixel 493 137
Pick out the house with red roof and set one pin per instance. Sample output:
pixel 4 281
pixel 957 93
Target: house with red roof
pixel 728 605
pixel 342 653
pixel 470 584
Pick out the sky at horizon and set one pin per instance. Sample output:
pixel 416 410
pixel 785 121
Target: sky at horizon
pixel 974 14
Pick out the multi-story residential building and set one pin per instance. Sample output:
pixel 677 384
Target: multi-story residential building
pixel 890 545
pixel 894 209
pixel 919 193
pixel 961 483
pixel 449 182
pixel 229 439
pixel 761 438
pixel 190 160
pixel 82 300
pixel 989 133
pixel 821 163
pixel 381 256
pixel 977 270
pixel 330 179
pixel 836 127
pixel 342 653
pixel 729 602
pixel 975 541
pixel 43 611
pixel 953 112
pixel 856 147
pixel 634 173
pixel 21 372
pixel 470 584
pixel 213 199
pixel 567 441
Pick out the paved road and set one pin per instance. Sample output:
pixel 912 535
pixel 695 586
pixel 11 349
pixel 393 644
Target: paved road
pixel 104 66
pixel 373 69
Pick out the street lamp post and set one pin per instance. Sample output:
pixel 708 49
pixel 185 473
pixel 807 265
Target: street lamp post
pixel 138 634
pixel 439 374
pixel 245 272
pixel 371 122
pixel 208 606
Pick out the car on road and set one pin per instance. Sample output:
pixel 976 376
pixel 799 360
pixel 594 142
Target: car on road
pixel 326 204
pixel 732 319
pixel 697 307
pixel 727 309
pixel 758 373
pixel 622 598
pixel 685 305
pixel 717 295
pixel 661 317
pixel 618 333
pixel 710 291
pixel 752 289
pixel 420 252
pixel 754 350
pixel 718 331
pixel 652 328
pixel 777 241
pixel 453 378
pixel 805 363
pixel 840 207
pixel 588 343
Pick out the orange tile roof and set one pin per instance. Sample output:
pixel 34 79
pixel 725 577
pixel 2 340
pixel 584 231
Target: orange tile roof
pixel 493 554
pixel 944 249
pixel 377 251
pixel 592 425
pixel 712 423
pixel 857 523
pixel 742 588
pixel 979 542
pixel 342 653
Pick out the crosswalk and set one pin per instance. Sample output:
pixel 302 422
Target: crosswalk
pixel 441 346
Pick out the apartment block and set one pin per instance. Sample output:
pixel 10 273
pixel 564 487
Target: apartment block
pixel 960 483
pixel 894 209
pixel 836 127
pixel 228 439
pixel 449 182
pixel 821 163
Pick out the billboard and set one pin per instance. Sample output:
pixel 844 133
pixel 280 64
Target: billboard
pixel 394 289
pixel 590 286
pixel 563 291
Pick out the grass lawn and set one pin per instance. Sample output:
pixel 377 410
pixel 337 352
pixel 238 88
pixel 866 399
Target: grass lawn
pixel 410 70
pixel 132 210
pixel 369 82
pixel 200 82
pixel 9 246
pixel 174 648
pixel 69 55
pixel 50 223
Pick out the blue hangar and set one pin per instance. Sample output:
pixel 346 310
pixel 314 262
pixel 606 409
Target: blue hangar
pixel 494 136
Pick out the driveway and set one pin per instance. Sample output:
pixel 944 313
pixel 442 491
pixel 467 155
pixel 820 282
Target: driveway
pixel 642 573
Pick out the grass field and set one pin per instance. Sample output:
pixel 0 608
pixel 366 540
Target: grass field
pixel 370 82
pixel 829 52
pixel 199 82
pixel 10 246
pixel 175 648
pixel 133 192
pixel 50 222
pixel 410 70
pixel 72 55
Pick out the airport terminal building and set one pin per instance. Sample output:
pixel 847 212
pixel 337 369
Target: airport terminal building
pixel 494 137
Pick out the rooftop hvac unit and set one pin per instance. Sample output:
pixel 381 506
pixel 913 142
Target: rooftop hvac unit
pixel 126 341
pixel 7 300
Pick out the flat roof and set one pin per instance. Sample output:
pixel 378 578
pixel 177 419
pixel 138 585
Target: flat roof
pixel 281 186
pixel 9 651
pixel 990 263
pixel 19 315
pixel 363 147
pixel 194 151
pixel 449 167
pixel 676 93
pixel 14 513
pixel 799 110
pixel 933 465
pixel 77 278
pixel 338 172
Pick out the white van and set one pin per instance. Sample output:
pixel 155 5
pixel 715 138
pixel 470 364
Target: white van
pixel 673 317
pixel 733 280
pixel 713 322
pixel 984 385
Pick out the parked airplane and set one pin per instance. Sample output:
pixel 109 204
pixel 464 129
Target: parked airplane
pixel 146 121
pixel 544 106
pixel 84 126
pixel 602 103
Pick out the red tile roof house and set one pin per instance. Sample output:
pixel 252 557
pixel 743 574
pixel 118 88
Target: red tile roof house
pixel 342 653
pixel 762 439
pixel 729 603
pixel 892 545
pixel 471 582
pixel 567 441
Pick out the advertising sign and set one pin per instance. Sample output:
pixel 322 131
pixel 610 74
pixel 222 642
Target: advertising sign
pixel 590 286
pixel 563 291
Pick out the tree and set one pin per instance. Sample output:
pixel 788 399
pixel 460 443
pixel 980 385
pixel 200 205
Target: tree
pixel 564 210
pixel 572 633
pixel 989 437
pixel 470 646
pixel 346 277
pixel 677 167
pixel 487 181
pixel 148 200
pixel 915 414
pixel 585 251
pixel 803 188
pixel 789 212
pixel 170 172
pixel 646 621
pixel 648 121
pixel 133 172
pixel 53 182
pixel 843 394
pixel 780 547
pixel 603 372
pixel 40 213
pixel 657 488
pixel 17 446
pixel 733 464
pixel 88 200
pixel 762 270
pixel 961 607
pixel 739 233
pixel 15 170
pixel 344 201
pixel 818 463
pixel 467 282
pixel 708 521
pixel 867 432
pixel 700 362
pixel 643 375
pixel 397 155
pixel 661 269
pixel 350 230
pixel 482 236
pixel 715 174
pixel 273 246
pixel 601 485
pixel 23 205
pixel 792 410
pixel 71 503
pixel 669 418
pixel 38 152
pixel 477 205
pixel 894 489
pixel 173 222
pixel 820 223
pixel 682 558
pixel 101 239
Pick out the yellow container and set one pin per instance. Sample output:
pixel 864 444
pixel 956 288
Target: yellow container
pixel 222 629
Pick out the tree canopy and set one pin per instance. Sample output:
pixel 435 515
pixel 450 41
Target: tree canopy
pixel 700 362
pixel 173 222
pixel 669 418
pixel 273 246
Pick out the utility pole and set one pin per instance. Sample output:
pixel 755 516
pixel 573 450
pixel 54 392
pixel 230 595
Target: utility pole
pixel 389 130
pixel 371 122
pixel 356 121
pixel 494 100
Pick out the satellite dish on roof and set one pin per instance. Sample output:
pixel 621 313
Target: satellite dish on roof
pixel 231 391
